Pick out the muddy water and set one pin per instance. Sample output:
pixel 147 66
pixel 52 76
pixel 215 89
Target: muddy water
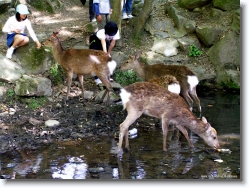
pixel 95 160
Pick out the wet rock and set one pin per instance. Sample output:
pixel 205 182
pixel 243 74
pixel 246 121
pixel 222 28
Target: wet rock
pixel 96 170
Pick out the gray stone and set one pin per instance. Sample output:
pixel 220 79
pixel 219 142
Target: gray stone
pixel 52 123
pixel 9 70
pixel 208 33
pixel 33 86
pixel 191 4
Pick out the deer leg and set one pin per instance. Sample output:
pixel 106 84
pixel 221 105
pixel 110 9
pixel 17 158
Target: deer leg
pixel 165 128
pixel 185 133
pixel 130 118
pixel 81 80
pixel 107 84
pixel 187 99
pixel 194 96
pixel 69 82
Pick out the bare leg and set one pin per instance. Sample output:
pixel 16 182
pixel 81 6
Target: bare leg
pixel 20 40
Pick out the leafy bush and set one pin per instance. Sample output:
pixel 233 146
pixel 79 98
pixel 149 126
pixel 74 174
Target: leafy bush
pixel 126 77
pixel 57 74
pixel 194 51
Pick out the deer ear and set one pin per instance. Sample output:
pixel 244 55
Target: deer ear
pixel 204 120
pixel 138 55
pixel 207 127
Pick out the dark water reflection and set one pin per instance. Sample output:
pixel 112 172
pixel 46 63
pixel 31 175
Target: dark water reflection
pixel 94 160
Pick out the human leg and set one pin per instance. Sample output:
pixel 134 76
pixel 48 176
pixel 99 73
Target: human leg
pixel 19 40
pixel 129 8
pixel 91 12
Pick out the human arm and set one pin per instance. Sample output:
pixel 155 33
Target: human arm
pixel 103 43
pixel 112 44
pixel 32 34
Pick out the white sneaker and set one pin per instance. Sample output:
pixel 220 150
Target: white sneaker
pixel 9 53
pixel 125 16
pixel 94 20
pixel 98 81
pixel 130 16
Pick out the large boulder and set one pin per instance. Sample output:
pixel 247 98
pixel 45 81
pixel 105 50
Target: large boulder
pixel 226 52
pixel 225 56
pixel 227 4
pixel 191 4
pixel 9 70
pixel 208 33
pixel 4 5
pixel 34 61
pixel 33 86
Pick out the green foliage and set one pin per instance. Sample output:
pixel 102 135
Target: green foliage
pixel 230 85
pixel 126 77
pixel 2 84
pixel 57 74
pixel 34 103
pixel 10 92
pixel 194 51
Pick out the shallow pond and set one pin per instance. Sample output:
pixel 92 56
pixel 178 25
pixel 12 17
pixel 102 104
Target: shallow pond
pixel 146 160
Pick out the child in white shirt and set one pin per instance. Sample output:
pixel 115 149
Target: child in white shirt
pixel 15 26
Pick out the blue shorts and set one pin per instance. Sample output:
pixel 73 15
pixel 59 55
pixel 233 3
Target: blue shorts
pixel 10 38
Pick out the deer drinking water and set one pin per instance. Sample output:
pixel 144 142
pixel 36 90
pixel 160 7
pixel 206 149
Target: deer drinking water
pixel 187 79
pixel 82 62
pixel 153 100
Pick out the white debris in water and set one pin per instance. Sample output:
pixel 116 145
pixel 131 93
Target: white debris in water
pixel 218 160
pixel 133 131
pixel 115 173
pixel 75 169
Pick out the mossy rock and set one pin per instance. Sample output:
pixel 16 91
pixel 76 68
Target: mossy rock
pixel 34 61
pixel 49 6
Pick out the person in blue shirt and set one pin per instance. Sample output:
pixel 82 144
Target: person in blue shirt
pixel 102 9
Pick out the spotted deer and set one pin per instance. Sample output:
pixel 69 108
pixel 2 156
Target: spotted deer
pixel 153 100
pixel 82 62
pixel 167 81
pixel 187 79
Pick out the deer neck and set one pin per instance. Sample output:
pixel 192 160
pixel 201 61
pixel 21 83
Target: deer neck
pixel 196 126
pixel 139 69
pixel 58 51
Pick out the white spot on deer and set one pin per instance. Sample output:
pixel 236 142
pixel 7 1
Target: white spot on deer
pixel 112 66
pixel 174 88
pixel 125 97
pixel 193 81
pixel 94 58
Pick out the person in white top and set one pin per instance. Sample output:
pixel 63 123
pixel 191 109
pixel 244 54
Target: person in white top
pixel 105 39
pixel 15 27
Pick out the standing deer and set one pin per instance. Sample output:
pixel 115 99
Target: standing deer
pixel 187 79
pixel 82 62
pixel 153 100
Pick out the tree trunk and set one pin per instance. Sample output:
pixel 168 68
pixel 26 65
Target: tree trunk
pixel 116 11
pixel 143 16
